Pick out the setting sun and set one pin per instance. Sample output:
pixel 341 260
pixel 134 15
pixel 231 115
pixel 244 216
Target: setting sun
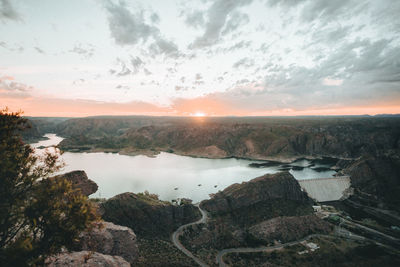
pixel 199 114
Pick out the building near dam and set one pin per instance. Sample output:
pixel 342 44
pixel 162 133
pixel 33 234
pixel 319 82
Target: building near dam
pixel 326 189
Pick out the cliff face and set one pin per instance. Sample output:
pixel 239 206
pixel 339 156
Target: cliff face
pixel 111 239
pixel 148 216
pixel 268 208
pixel 270 187
pixel 376 179
pixel 86 259
pixel 289 228
pixel 257 138
pixel 79 180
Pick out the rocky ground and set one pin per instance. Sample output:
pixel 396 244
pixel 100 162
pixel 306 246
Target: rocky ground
pixel 330 252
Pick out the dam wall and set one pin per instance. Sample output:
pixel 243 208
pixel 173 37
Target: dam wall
pixel 326 189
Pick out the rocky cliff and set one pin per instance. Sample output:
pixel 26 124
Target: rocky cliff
pixel 256 138
pixel 376 180
pixel 288 229
pixel 268 188
pixel 79 181
pixel 85 259
pixel 148 216
pixel 111 239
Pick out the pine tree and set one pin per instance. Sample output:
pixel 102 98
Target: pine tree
pixel 38 215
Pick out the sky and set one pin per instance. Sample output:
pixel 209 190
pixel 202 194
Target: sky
pixel 200 57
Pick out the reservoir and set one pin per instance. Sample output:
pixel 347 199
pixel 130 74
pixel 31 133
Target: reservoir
pixel 171 176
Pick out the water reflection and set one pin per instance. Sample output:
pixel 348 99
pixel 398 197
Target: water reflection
pixel 168 175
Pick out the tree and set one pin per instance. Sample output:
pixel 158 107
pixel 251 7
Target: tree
pixel 38 215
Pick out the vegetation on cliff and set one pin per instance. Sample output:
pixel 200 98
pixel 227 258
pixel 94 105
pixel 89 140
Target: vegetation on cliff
pixel 38 216
pixel 148 216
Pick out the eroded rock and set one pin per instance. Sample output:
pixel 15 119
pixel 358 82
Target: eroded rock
pixel 80 180
pixel 289 228
pixel 113 240
pixel 264 188
pixel 85 259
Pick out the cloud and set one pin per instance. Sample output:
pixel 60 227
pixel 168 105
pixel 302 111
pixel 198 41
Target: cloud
pixel 181 88
pixel 237 46
pixel 78 82
pixel 284 2
pixel 325 10
pixel 217 16
pixel 128 28
pixel 195 19
pixel 15 48
pixel 155 18
pixel 198 79
pixel 12 89
pixel 162 46
pixel 137 63
pixel 38 106
pixel 244 63
pixel 7 11
pixel 147 72
pixel 123 87
pixel 235 20
pixel 84 50
pixel 39 50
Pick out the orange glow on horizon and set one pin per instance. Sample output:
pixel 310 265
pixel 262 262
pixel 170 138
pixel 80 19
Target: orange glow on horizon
pixel 199 114
pixel 201 107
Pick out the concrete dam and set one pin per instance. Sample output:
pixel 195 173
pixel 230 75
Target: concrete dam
pixel 326 189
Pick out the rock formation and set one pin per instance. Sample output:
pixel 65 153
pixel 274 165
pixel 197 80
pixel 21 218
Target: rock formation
pixel 280 186
pixel 376 180
pixel 146 215
pixel 111 239
pixel 80 180
pixel 289 228
pixel 86 259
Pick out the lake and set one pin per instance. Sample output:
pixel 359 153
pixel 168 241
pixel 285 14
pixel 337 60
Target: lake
pixel 168 175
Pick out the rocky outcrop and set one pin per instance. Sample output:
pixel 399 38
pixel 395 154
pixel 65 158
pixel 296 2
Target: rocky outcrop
pixel 111 239
pixel 289 228
pixel 376 180
pixel 280 186
pixel 79 180
pixel 86 259
pixel 148 216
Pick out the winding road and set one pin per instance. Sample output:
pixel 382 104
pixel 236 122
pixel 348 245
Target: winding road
pixel 223 252
pixel 219 259
pixel 175 236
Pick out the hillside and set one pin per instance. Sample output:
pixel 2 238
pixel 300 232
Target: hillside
pixel 253 137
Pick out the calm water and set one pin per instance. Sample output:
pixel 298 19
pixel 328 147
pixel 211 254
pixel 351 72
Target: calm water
pixel 168 175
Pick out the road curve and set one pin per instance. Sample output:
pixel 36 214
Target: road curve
pixel 175 237
pixel 223 252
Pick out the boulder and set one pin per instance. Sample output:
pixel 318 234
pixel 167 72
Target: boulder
pixel 79 180
pixel 85 259
pixel 111 239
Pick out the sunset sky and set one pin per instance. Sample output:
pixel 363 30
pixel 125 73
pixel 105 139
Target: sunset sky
pixel 208 57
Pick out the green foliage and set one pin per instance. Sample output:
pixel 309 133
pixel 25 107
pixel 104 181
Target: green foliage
pixel 38 215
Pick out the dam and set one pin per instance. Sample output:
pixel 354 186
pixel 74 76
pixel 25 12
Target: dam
pixel 326 189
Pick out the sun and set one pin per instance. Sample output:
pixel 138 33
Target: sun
pixel 199 114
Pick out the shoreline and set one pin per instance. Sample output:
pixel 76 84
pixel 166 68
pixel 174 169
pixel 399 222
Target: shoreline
pixel 153 153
